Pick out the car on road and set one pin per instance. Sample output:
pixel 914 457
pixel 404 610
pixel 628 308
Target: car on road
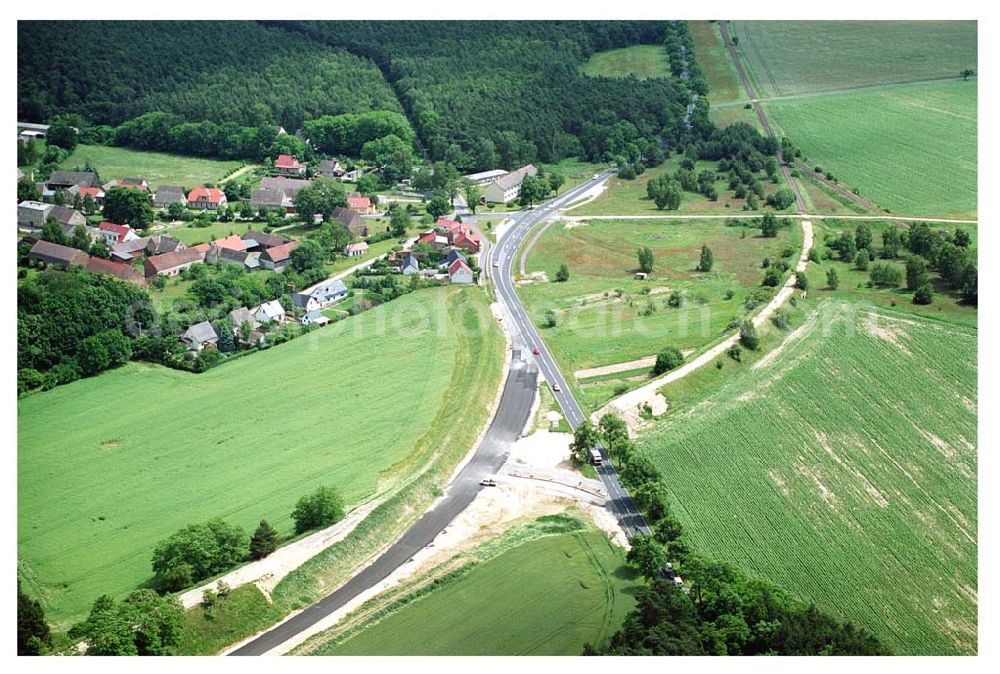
pixel 496 263
pixel 596 176
pixel 536 351
pixel 488 482
pixel 557 388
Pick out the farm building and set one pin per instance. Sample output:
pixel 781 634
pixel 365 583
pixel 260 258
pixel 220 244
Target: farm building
pixel 277 258
pixel 53 254
pixel 169 194
pixel 330 168
pixel 269 311
pixel 314 317
pixel 287 165
pixel 459 272
pixel 200 335
pixel 171 264
pixel 262 240
pixel 507 188
pixel 356 249
pixel 67 179
pixel 206 198
pixel 320 296
pixel 32 214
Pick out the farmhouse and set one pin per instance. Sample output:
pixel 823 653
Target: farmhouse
pixel 206 198
pixel 55 255
pixel 200 335
pixel 320 296
pixel 32 214
pixel 112 233
pixel 330 168
pixel 459 272
pixel 67 179
pixel 271 200
pixel 278 257
pixel 95 193
pixel 287 165
pixel 171 264
pixel 290 186
pixel 262 240
pixel 362 205
pixel 161 243
pixel 168 194
pixel 314 317
pixel 29 131
pixel 128 250
pixel 269 311
pixel 130 183
pixel 507 188
pixel 67 217
pixel 354 223
pixel 120 271
pixel 356 249
pixel 237 317
pixel 410 265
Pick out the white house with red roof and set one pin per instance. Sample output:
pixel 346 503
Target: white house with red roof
pixel 459 272
pixel 356 249
pixel 206 198
pixel 112 233
pixel 362 205
pixel 287 165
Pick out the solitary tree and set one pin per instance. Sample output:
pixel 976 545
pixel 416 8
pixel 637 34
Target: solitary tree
pixel 706 261
pixel 645 255
pixel 563 273
pixel 769 225
pixel 551 320
pixel 831 279
pixel 967 73
pixel 438 206
pixel 321 508
pixel 668 359
pixel 924 294
pixel 748 335
pixel 584 438
pixel 264 541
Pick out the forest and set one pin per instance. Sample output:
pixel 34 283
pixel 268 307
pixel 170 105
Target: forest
pixel 238 72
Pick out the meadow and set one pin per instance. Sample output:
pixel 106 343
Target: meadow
pixel 642 61
pixel 142 451
pixel 600 308
pixel 842 466
pixel 546 596
pixel 796 57
pixel 157 168
pixel 628 197
pixel 910 149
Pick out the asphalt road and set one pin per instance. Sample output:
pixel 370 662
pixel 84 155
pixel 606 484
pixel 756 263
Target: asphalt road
pixel 526 337
pixel 506 426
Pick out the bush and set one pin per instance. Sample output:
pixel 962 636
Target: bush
pixel 264 541
pixel 884 275
pixel 551 320
pixel 320 509
pixel 668 359
pixel 748 335
pixel 923 295
pixel 197 552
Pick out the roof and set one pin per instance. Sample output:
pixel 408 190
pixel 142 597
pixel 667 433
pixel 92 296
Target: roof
pixel 92 192
pixel 88 178
pixel 351 247
pixel 232 242
pixel 514 179
pixel 169 194
pixel 329 165
pixel 128 249
pixel 286 161
pixel 323 292
pixel 272 309
pixel 54 253
pixel 201 333
pixel 427 237
pixel 358 202
pixel 120 231
pixel 280 253
pixel 122 271
pixel 210 194
pixel 159 263
pixel 289 186
pixel 35 205
pixel 137 183
pixel 264 239
pixel 239 316
pixel 348 217
pixel 485 175
pixel 264 196
pixel 161 243
pixel 411 261
pixel 458 265
pixel 63 214
pixel 454 255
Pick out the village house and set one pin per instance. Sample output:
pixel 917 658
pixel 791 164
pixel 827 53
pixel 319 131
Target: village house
pixel 130 183
pixel 95 193
pixel 112 233
pixel 171 264
pixel 314 317
pixel 32 214
pixel 67 179
pixel 120 271
pixel 271 200
pixel 248 260
pixel 277 258
pixel 330 168
pixel 356 249
pixel 484 177
pixel 168 194
pixel 287 165
pixel 360 205
pixel 451 257
pixel 321 295
pixel 199 336
pixel 53 254
pixel 268 312
pixel 262 240
pixel 161 243
pixel 459 272
pixel 67 217
pixel 237 317
pixel 206 198
pixel 354 223
pixel 129 250
pixel 506 188
pixel 410 265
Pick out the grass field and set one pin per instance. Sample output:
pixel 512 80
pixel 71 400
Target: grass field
pixel 843 468
pixel 643 61
pixel 242 441
pixel 157 168
pixel 911 149
pixel 594 329
pixel 716 66
pixel 546 596
pixel 192 235
pixel 795 57
pixel 628 197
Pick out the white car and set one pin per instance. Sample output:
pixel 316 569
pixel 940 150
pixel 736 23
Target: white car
pixel 557 388
pixel 596 176
pixel 496 263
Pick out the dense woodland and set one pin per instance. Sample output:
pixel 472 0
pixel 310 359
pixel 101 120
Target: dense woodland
pixel 234 71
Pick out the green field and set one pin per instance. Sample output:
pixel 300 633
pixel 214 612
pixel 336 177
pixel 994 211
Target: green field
pixel 843 468
pixel 643 61
pixel 628 197
pixel 795 57
pixel 192 235
pixel 595 330
pixel 911 149
pixel 547 596
pixel 142 451
pixel 157 168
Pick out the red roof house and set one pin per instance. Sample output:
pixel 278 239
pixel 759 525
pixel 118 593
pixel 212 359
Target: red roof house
pixel 360 204
pixel 232 242
pixel 286 164
pixel 206 198
pixel 112 233
pixel 459 272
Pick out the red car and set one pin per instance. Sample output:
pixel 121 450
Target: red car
pixel 537 351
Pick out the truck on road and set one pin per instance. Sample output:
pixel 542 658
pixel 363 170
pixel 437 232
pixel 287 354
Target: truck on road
pixel 595 456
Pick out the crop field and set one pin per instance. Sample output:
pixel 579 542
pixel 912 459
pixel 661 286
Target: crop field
pixel 843 467
pixel 911 149
pixel 796 57
pixel 142 451
pixel 642 61
pixel 600 308
pixel 547 596
pixel 157 168
pixel 628 197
